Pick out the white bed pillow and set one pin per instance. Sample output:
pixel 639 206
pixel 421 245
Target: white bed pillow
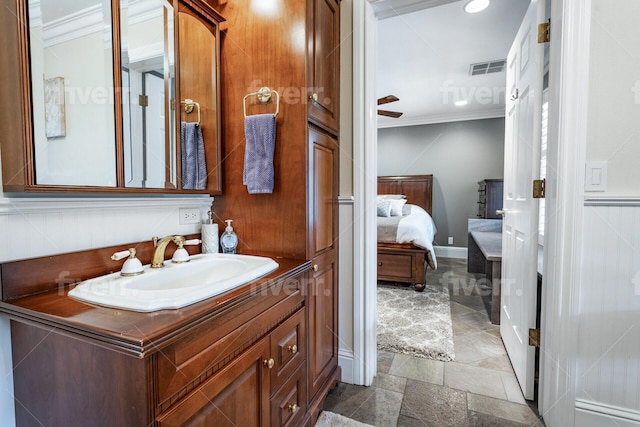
pixel 384 207
pixel 396 206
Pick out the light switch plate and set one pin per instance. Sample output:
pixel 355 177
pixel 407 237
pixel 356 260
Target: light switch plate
pixel 596 176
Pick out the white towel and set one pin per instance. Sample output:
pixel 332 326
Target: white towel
pixel 194 166
pixel 260 132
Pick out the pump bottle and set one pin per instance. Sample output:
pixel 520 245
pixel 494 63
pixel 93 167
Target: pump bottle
pixel 229 239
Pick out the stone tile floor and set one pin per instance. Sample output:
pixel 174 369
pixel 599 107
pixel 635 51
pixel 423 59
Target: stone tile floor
pixel 478 389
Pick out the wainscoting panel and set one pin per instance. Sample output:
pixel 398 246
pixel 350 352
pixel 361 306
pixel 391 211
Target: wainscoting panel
pixel 47 226
pixel 608 369
pixel 589 414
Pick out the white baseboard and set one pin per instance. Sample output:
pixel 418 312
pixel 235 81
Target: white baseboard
pixel 593 414
pixel 450 252
pixel 345 361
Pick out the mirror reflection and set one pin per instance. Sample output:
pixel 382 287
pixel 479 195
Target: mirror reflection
pixel 72 92
pixel 148 80
pixel 104 85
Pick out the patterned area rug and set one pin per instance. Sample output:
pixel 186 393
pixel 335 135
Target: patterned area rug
pixel 415 323
pixel 329 419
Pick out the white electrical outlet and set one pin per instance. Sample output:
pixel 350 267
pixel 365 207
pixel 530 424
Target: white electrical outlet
pixel 450 240
pixel 189 215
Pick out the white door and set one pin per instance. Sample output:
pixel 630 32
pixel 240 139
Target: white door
pixel 155 160
pixel 520 222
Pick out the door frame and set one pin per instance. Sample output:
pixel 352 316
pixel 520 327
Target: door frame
pixel 365 188
pixel 569 66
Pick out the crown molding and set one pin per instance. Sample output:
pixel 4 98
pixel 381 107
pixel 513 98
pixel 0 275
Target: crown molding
pixel 443 118
pixel 75 25
pixel 383 10
pixel 88 21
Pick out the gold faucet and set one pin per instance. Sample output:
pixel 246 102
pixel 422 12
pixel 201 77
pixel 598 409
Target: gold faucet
pixel 161 245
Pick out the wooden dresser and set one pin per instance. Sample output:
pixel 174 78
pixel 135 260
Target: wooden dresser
pixel 489 198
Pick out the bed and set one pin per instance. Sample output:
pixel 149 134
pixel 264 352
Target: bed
pixel 405 262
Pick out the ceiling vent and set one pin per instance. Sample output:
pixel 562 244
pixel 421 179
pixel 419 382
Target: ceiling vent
pixel 489 67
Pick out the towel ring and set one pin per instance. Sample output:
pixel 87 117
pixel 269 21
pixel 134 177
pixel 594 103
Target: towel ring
pixel 264 95
pixel 188 107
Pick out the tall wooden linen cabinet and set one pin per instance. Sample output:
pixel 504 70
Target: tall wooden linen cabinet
pixel 323 109
pixel 300 218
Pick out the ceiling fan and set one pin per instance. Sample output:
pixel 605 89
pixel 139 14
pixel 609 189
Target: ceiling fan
pixel 386 100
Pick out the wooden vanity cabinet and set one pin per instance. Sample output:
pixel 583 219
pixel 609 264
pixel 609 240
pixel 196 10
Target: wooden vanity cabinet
pixel 323 71
pixel 239 360
pixel 264 383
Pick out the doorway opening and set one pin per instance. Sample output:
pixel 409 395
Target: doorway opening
pixel 398 140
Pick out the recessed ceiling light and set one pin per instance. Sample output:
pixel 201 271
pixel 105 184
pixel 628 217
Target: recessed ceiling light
pixel 475 6
pixel 461 102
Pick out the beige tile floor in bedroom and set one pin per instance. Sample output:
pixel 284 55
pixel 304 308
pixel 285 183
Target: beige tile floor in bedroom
pixel 478 389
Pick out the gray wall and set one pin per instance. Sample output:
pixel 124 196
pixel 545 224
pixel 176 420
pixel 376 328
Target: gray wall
pixel 458 154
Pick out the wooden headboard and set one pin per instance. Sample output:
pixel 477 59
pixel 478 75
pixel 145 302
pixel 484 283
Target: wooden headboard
pixel 417 188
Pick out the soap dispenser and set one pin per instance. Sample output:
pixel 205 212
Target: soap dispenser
pixel 229 239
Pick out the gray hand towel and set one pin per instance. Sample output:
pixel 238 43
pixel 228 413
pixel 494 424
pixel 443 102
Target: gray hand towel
pixel 194 166
pixel 260 132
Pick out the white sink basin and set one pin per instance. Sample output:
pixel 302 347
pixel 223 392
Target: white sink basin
pixel 175 285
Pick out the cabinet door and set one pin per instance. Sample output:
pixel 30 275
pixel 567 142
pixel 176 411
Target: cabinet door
pixel 323 62
pixel 323 193
pixel 322 322
pixel 237 396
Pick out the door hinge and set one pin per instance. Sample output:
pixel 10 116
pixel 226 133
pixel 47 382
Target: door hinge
pixel 538 188
pixel 143 100
pixel 534 337
pixel 544 32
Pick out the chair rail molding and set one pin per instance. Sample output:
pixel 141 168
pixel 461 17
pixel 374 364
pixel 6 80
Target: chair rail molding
pixel 590 200
pixel 36 227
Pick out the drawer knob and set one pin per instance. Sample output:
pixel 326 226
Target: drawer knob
pixel 379 264
pixel 314 97
pixel 315 267
pixel 293 408
pixel 293 349
pixel 269 363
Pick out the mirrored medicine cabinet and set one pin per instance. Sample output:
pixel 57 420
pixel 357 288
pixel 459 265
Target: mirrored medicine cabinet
pixel 95 93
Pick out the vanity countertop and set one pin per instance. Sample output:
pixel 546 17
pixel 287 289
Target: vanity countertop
pixel 139 333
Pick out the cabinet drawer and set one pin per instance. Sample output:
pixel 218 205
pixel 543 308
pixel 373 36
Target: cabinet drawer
pixel 397 265
pixel 192 359
pixel 289 405
pixel 288 349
